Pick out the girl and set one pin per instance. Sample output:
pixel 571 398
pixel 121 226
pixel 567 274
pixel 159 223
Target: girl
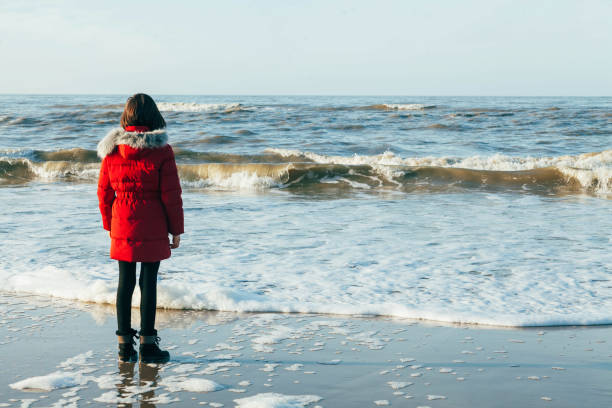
pixel 140 201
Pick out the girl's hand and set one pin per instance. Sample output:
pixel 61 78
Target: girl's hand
pixel 176 241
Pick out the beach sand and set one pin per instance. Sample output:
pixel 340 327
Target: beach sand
pixel 63 354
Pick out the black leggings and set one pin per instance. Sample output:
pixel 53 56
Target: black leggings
pixel 148 296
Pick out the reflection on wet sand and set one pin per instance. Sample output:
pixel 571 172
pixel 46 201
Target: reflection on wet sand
pixel 143 387
pixel 165 318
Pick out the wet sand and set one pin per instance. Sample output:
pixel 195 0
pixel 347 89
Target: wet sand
pixel 259 360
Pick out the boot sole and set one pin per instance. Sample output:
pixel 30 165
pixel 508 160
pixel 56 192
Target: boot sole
pixel 154 360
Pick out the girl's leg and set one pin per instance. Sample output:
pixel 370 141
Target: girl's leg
pixel 149 342
pixel 125 289
pixel 148 297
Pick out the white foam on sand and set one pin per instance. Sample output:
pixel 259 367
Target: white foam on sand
pixel 224 346
pixel 113 397
pixel 162 399
pixel 185 368
pixel 50 382
pixel 398 385
pixel 269 367
pixel 275 335
pixel 214 368
pixel 108 381
pixel 79 359
pixel 27 402
pixel 275 400
pixel 294 367
pixel 190 384
pixel 74 372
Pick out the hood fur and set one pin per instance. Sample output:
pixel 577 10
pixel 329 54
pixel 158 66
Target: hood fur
pixel 137 140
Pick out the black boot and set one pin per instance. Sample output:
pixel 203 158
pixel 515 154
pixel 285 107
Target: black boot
pixel 150 351
pixel 126 346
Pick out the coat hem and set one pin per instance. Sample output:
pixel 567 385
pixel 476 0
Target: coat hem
pixel 139 259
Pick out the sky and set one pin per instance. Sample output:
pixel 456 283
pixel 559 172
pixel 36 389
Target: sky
pixel 274 47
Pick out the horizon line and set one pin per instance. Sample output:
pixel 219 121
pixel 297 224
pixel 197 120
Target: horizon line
pixel 307 95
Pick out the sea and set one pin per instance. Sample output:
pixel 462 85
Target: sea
pixel 469 210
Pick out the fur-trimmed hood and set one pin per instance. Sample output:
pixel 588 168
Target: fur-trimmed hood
pixel 137 140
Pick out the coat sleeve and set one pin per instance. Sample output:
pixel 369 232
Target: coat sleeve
pixel 106 195
pixel 170 188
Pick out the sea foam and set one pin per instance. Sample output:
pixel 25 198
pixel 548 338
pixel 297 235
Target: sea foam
pixel 50 382
pixel 276 400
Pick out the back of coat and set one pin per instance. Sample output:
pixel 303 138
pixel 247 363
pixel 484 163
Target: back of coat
pixel 139 195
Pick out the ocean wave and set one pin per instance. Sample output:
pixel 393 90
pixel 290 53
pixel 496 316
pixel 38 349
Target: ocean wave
pixel 16 171
pixel 591 171
pixel 380 106
pixel 191 156
pixel 200 107
pixel 281 168
pixel 322 177
pixel 72 155
pixel 21 121
pixel 83 106
pixel 400 106
pixel 233 176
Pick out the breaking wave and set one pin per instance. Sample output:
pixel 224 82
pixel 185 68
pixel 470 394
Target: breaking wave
pixel 200 107
pixel 381 106
pixel 282 168
pixel 400 106
pixel 591 172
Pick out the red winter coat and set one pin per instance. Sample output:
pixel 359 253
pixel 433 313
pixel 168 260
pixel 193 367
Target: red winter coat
pixel 139 194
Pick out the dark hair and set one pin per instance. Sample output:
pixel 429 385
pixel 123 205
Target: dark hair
pixel 141 110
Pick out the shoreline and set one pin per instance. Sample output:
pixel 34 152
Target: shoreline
pixel 345 361
pixel 398 319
